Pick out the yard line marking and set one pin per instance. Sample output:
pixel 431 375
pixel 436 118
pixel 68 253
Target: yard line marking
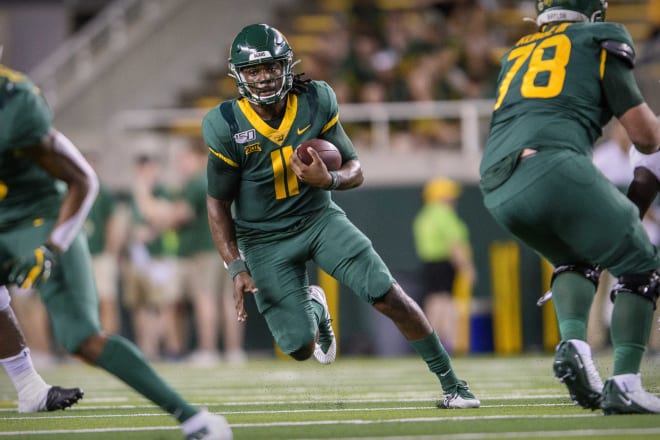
pixel 87 431
pixel 85 404
pixel 158 412
pixel 402 420
pixel 599 433
pixel 470 436
pixel 282 411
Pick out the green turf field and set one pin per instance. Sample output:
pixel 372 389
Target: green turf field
pixel 352 398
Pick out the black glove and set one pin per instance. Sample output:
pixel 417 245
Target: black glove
pixel 32 270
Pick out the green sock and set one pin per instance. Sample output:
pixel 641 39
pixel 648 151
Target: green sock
pixel 631 326
pixel 436 357
pixel 572 295
pixel 122 359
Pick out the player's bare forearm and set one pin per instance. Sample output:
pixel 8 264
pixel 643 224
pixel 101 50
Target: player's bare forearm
pixel 350 175
pixel 222 228
pixel 59 158
pixel 642 127
pixel 224 235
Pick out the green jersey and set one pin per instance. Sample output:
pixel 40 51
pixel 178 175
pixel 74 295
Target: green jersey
pixel 97 219
pixel 249 159
pixel 195 236
pixel 27 192
pixel 556 90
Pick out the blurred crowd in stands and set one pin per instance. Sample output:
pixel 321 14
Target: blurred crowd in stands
pixel 442 52
pixel 431 51
pixel 423 50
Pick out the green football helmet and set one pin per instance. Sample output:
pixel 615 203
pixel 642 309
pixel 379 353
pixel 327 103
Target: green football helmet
pixel 549 11
pixel 259 44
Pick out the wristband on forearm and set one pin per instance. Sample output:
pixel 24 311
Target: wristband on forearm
pixel 237 266
pixel 336 181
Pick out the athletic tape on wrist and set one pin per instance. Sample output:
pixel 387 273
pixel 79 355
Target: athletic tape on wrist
pixel 237 266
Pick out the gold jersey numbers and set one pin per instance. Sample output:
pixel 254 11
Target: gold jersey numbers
pixel 286 182
pixel 548 57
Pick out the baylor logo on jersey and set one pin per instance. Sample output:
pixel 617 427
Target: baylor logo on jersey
pixel 245 136
pixel 252 148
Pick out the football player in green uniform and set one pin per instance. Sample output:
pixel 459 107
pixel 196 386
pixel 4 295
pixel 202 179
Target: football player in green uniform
pixel 557 88
pixel 33 393
pixel 42 245
pixel 270 214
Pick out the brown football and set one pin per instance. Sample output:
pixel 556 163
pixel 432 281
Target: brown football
pixel 329 154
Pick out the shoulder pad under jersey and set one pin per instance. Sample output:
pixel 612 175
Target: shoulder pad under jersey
pixel 620 50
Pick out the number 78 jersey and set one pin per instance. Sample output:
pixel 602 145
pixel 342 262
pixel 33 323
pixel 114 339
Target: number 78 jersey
pixel 550 90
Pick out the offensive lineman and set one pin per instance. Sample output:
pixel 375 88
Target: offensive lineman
pixel 556 90
pixel 284 215
pixel 42 245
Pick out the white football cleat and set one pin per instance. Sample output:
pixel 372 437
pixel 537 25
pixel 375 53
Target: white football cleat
pixel 326 334
pixel 623 394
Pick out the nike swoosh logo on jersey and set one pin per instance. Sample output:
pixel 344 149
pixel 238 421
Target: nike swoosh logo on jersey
pixel 302 130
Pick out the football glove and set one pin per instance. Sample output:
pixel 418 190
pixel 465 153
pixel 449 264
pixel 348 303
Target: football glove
pixel 32 270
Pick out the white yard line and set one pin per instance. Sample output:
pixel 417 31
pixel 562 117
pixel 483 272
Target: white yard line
pixel 599 433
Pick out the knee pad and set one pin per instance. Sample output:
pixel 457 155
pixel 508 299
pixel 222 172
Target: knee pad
pixel 5 299
pixel 591 273
pixel 646 285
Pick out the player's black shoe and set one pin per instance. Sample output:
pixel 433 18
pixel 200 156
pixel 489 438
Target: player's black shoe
pixel 575 368
pixel 62 398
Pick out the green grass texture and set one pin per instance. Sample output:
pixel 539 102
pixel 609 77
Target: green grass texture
pixel 354 398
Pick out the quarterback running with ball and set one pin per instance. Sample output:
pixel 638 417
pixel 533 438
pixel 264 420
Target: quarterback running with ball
pixel 270 213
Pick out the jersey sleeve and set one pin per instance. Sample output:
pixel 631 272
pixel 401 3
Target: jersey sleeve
pixel 34 118
pixel 611 31
pixel 619 84
pixel 333 130
pixel 224 166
